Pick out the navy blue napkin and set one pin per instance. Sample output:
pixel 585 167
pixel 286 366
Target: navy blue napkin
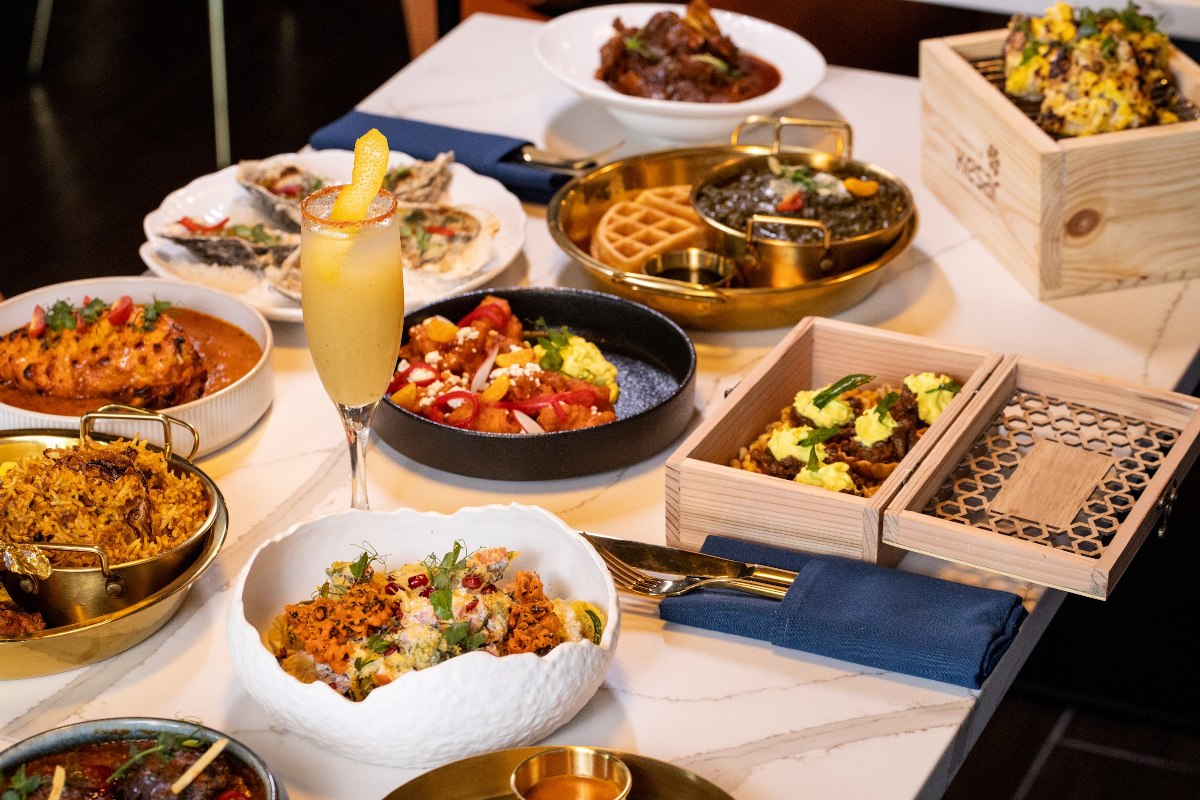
pixel 483 153
pixel 863 613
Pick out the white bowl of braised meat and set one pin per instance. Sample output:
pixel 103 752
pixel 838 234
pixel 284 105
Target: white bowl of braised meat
pixel 135 757
pixel 676 73
pixel 197 354
pixel 414 639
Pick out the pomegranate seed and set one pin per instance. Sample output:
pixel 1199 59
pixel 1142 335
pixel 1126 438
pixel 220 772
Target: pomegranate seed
pixel 491 587
pixel 390 650
pixel 469 607
pixel 397 612
pixel 391 588
pixel 418 580
pixel 472 581
pixel 428 590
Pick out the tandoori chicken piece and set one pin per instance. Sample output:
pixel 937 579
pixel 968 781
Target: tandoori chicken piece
pixel 136 355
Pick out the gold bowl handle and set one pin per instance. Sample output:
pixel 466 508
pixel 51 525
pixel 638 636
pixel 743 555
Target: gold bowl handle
pixel 122 412
pixel 840 129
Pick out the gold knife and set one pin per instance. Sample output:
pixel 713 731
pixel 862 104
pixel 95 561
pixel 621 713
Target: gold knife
pixel 659 558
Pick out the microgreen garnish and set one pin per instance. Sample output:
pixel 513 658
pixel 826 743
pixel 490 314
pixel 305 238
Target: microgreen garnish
pixel 553 342
pixel 885 405
pixel 165 743
pixel 443 603
pixel 822 398
pixel 92 311
pixel 634 44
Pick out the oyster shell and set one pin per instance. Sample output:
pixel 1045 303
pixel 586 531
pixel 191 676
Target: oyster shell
pixel 253 246
pixel 277 187
pixel 451 242
pixel 421 181
pixel 285 278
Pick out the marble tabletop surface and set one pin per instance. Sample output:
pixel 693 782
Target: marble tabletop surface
pixel 751 718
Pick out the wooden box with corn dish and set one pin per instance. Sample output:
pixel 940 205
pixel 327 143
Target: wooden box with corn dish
pixel 1065 143
pixel 856 442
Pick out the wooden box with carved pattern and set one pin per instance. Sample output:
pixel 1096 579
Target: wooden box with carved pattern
pixel 1065 216
pixel 1034 470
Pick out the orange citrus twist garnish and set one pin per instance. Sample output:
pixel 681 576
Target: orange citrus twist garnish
pixel 370 166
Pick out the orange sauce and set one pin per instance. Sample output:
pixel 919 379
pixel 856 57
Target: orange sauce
pixel 572 787
pixel 227 351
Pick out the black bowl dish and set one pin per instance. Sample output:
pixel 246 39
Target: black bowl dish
pixel 656 365
pixel 69 737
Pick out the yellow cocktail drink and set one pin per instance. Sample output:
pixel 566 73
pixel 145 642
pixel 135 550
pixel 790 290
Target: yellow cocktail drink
pixel 353 297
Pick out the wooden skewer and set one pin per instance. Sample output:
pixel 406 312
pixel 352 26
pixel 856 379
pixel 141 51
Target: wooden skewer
pixel 57 782
pixel 195 769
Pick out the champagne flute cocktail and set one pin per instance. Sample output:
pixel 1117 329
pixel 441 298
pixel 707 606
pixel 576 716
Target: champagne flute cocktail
pixel 352 279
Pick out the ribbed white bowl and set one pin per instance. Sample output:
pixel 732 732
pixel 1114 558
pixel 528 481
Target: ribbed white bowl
pixel 471 704
pixel 219 418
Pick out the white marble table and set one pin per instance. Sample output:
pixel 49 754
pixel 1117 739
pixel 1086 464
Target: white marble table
pixel 758 721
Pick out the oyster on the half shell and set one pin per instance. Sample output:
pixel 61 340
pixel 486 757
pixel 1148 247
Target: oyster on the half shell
pixel 232 245
pixel 285 277
pixel 277 187
pixel 421 181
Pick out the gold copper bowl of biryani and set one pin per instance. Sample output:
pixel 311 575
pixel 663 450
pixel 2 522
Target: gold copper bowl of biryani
pixel 92 524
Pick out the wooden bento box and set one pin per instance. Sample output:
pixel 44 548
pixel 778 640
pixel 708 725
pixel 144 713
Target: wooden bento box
pixel 704 495
pixel 1069 216
pixel 1035 471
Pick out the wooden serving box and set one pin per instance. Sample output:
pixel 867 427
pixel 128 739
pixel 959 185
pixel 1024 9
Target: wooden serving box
pixel 1037 471
pixel 704 495
pixel 1068 216
pixel 1052 475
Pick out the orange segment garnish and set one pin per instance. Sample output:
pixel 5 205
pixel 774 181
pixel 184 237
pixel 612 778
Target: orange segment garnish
pixel 370 165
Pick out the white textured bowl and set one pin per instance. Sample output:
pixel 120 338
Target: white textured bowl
pixel 219 418
pixel 471 704
pixel 569 47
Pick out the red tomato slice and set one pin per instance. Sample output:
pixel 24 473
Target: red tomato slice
pixel 121 311
pixel 37 323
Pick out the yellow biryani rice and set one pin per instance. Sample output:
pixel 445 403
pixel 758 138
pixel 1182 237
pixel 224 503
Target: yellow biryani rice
pixel 119 496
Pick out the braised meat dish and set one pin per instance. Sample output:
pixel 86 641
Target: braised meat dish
pixel 134 354
pixel 688 58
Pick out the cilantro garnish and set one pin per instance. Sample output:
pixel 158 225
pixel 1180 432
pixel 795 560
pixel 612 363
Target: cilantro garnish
pixel 257 234
pixel 553 342
pixel 61 316
pixel 20 786
pixel 151 311
pixel 165 743
pixel 92 311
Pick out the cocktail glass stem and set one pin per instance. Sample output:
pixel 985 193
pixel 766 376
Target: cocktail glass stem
pixel 357 422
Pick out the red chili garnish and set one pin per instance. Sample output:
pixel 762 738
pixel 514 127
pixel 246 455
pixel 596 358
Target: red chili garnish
pixel 533 405
pixel 418 373
pixel 792 201
pixel 418 580
pixel 397 611
pixel 492 312
pixel 472 582
pixel 37 322
pixel 440 230
pixel 121 311
pixel 452 413
pixel 199 227
pixel 471 606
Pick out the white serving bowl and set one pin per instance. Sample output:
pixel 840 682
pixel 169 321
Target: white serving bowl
pixel 569 47
pixel 219 418
pixel 471 704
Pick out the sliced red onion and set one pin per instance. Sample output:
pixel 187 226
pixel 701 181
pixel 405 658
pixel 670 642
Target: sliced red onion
pixel 527 423
pixel 480 378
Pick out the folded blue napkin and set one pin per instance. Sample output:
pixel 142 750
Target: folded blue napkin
pixel 863 613
pixel 484 153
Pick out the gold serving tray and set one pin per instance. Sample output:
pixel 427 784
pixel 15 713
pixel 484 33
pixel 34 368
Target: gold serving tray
pixel 486 777
pixel 575 210
pixel 70 646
